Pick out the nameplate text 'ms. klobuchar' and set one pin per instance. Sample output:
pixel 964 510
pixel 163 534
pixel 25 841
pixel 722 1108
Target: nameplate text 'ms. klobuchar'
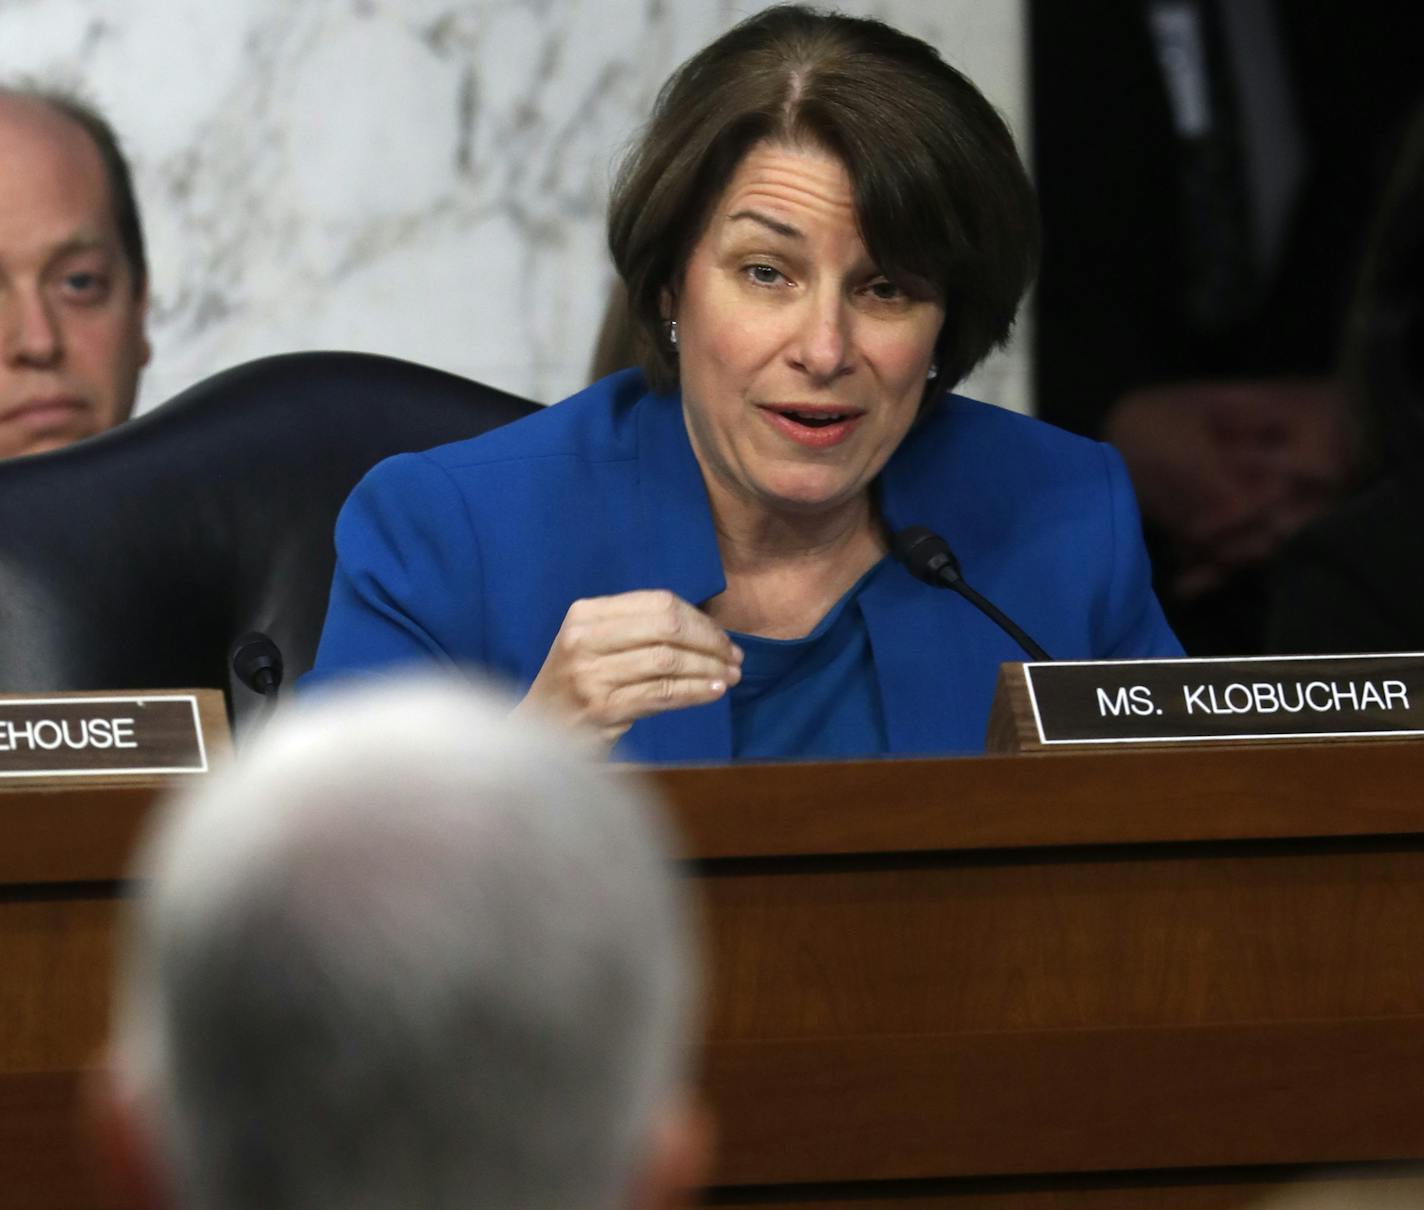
pixel 1271 697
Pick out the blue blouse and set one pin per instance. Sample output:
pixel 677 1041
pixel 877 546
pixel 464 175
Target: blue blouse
pixel 813 697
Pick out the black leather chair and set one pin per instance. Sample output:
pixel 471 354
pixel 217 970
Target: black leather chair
pixel 133 559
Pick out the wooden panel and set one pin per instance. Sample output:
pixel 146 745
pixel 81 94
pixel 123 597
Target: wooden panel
pixel 70 834
pixel 1075 798
pixel 75 834
pixel 46 1160
pixel 1011 727
pixel 55 956
pixel 1067 1101
pixel 1231 1189
pixel 931 969
pixel 48 1165
pixel 1175 935
pixel 909 1017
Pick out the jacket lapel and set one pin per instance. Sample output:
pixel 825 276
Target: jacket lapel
pixel 936 656
pixel 678 551
pixel 921 663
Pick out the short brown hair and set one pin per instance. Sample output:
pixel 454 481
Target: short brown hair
pixel 940 193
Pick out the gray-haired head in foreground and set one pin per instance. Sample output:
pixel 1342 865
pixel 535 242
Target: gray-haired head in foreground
pixel 407 953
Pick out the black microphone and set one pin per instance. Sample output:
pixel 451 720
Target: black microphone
pixel 927 557
pixel 257 662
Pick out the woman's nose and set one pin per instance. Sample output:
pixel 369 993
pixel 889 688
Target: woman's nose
pixel 823 340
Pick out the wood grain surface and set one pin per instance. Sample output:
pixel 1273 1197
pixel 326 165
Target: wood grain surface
pixel 1078 980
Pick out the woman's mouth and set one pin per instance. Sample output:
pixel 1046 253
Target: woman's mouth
pixel 813 427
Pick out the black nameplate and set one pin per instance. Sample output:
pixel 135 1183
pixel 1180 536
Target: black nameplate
pixel 1273 697
pixel 82 736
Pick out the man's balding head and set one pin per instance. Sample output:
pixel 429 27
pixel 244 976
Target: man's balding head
pixel 73 275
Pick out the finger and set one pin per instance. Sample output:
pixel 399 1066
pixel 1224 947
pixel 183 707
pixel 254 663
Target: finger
pixel 640 600
pixel 628 703
pixel 659 662
pixel 634 684
pixel 582 641
pixel 600 625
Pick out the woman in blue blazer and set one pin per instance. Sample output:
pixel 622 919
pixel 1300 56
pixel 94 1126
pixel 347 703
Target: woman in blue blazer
pixel 823 226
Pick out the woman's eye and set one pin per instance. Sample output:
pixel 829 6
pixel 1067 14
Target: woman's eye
pixel 763 275
pixel 886 291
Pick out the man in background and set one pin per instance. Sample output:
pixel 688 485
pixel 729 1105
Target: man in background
pixel 1207 171
pixel 406 954
pixel 73 275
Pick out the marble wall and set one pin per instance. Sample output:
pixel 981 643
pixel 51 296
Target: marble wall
pixel 423 178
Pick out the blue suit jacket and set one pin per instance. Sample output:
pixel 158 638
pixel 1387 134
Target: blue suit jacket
pixel 472 553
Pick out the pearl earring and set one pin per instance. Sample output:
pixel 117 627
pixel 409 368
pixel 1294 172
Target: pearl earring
pixel 934 370
pixel 672 332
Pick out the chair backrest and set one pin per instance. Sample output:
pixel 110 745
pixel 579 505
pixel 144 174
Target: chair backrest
pixel 133 559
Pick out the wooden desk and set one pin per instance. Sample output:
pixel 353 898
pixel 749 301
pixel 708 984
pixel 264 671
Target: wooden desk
pixel 1101 980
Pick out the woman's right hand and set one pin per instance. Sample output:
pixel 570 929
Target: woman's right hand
pixel 621 658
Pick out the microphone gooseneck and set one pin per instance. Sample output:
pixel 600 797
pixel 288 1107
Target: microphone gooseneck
pixel 927 557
